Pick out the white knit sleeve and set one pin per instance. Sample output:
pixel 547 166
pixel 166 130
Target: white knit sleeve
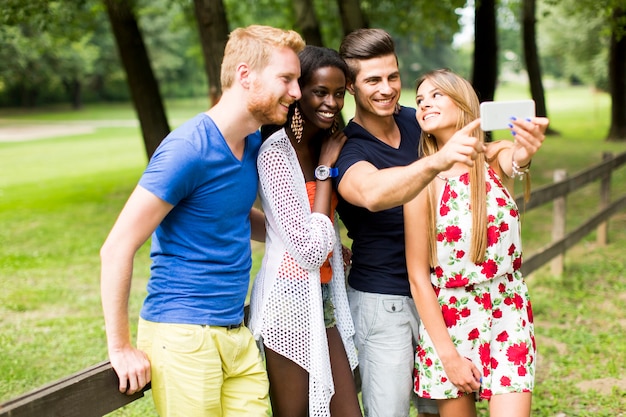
pixel 308 237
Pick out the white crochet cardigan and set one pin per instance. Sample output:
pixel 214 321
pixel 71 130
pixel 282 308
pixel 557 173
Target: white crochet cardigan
pixel 286 305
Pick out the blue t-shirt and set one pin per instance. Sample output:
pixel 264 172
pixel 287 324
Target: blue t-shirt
pixel 378 259
pixel 200 252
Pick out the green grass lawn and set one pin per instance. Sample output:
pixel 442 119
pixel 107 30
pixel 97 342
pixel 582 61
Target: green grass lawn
pixel 60 196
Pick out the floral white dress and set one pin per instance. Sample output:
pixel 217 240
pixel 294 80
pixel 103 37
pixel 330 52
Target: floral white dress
pixel 485 306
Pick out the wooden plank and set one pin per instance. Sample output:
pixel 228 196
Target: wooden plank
pixel 549 192
pixel 546 254
pixel 91 392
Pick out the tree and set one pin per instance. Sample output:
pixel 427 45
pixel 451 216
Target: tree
pixel 485 63
pixel 306 22
pixel 352 16
pixel 142 83
pixel 531 58
pixel 213 30
pixel 617 74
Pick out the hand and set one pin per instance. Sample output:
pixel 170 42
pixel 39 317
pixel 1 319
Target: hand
pixel 462 147
pixel 331 146
pixel 132 368
pixel 463 374
pixel 346 253
pixel 529 136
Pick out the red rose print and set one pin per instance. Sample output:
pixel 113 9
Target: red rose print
pixel 490 268
pixel 484 351
pixel 443 210
pixel 505 381
pixel 491 218
pixel 453 233
pixel 438 272
pixel 517 263
pixel 486 301
pixel 503 337
pixel 517 353
pixel 466 312
pixel 497 313
pixel 501 288
pixel 445 196
pixel 444 379
pixel 460 254
pixel 486 393
pixel 473 334
pixel 513 213
pixel 457 281
pixel 501 202
pixel 512 249
pixel 464 178
pixel 493 233
pixel 452 300
pixel 504 227
pixel 521 371
pixel 440 237
pixel 494 363
pixel 529 310
pixel 488 187
pixel 519 301
pixel 428 363
pixel 450 315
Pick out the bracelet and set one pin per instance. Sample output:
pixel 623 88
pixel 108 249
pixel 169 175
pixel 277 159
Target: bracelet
pixel 519 171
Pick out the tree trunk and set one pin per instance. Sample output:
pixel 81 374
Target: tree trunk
pixel 617 78
pixel 213 30
pixel 74 91
pixel 531 57
pixel 143 86
pixel 485 66
pixel 307 23
pixel 352 16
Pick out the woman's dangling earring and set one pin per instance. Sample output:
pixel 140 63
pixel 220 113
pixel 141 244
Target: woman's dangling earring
pixel 297 124
pixel 334 127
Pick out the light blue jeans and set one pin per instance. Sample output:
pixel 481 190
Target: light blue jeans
pixel 386 335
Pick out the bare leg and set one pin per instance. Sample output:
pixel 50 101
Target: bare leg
pixel 458 407
pixel 516 404
pixel 345 402
pixel 289 386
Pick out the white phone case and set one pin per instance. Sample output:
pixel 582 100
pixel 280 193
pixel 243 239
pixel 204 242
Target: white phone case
pixel 496 115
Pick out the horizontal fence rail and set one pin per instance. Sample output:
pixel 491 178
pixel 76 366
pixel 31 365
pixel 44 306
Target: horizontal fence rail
pixel 93 392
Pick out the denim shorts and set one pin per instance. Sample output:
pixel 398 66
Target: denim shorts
pixel 329 308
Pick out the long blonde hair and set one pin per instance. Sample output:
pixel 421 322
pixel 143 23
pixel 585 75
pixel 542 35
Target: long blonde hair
pixel 461 92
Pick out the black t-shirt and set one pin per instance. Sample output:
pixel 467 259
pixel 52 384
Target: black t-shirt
pixel 378 259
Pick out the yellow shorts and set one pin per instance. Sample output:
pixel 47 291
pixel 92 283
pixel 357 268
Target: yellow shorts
pixel 204 370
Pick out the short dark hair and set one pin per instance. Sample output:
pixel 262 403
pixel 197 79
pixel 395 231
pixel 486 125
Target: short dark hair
pixel 314 57
pixel 365 44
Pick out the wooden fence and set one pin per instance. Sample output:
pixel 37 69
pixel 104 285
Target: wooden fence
pixel 93 392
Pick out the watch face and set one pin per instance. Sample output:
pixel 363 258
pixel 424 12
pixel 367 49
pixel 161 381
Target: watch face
pixel 321 172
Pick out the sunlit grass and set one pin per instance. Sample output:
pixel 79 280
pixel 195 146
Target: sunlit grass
pixel 59 198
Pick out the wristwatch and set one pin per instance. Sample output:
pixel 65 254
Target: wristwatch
pixel 324 172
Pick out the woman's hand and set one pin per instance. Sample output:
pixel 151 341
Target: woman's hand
pixel 528 138
pixel 331 146
pixel 462 373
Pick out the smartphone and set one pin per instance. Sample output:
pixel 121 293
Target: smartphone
pixel 496 115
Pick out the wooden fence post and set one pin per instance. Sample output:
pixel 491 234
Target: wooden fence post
pixel 605 199
pixel 558 223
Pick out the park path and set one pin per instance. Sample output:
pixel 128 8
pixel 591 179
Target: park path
pixel 19 131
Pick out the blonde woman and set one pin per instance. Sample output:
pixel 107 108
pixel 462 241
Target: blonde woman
pixel 464 255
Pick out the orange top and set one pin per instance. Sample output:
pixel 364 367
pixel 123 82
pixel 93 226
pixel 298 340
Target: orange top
pixel 326 271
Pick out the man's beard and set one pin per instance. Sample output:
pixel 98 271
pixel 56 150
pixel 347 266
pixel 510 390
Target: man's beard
pixel 264 106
